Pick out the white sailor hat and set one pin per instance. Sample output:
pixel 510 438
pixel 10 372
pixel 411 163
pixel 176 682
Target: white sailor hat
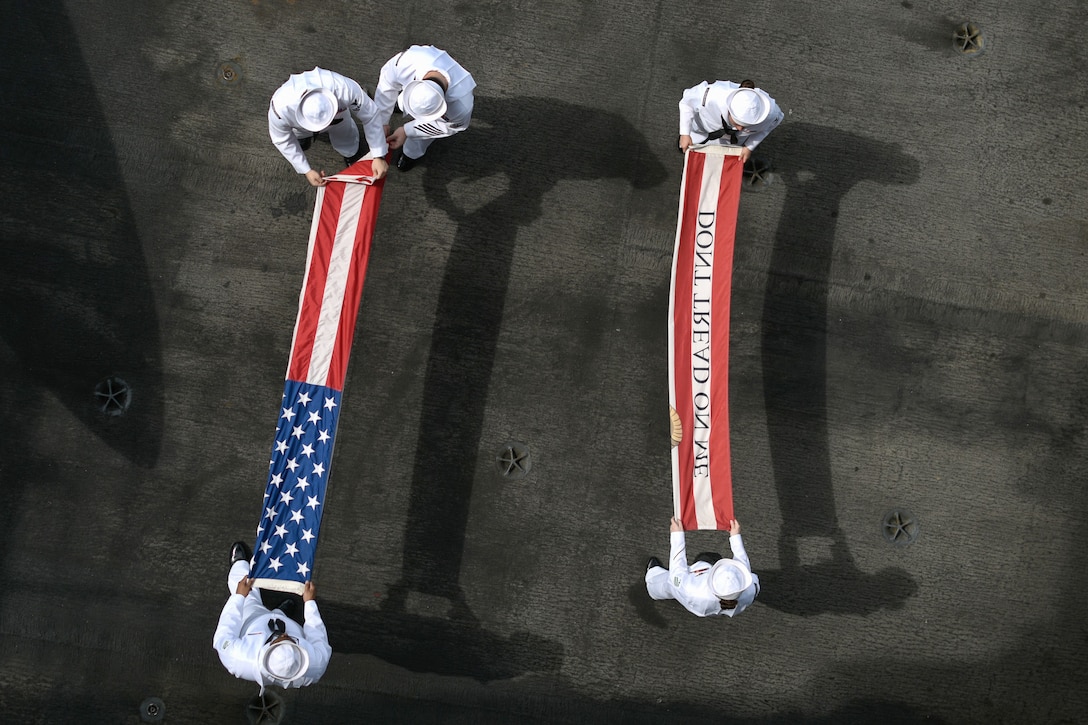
pixel 283 661
pixel 423 100
pixel 316 109
pixel 728 578
pixel 748 106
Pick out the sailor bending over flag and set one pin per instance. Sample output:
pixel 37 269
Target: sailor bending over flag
pixel 253 642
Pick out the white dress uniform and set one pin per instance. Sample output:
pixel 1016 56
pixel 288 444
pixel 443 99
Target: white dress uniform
pixel 285 127
pixel 703 111
pixel 244 629
pixel 691 585
pixel 412 65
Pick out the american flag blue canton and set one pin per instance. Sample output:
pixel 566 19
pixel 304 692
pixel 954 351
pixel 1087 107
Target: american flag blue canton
pixel 294 497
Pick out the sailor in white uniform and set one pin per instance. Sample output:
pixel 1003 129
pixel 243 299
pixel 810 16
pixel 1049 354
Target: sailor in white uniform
pixel 433 90
pixel 267 646
pixel 319 101
pixel 725 112
pixel 712 585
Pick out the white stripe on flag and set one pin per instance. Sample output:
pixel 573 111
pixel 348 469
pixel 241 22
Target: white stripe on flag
pixel 702 286
pixel 332 302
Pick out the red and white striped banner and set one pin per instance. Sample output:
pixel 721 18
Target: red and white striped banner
pixel 339 249
pixel 702 274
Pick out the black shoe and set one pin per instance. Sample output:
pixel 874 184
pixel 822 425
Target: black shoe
pixel 286 606
pixel 404 162
pixel 654 561
pixel 349 160
pixel 709 557
pixel 305 143
pixel 239 552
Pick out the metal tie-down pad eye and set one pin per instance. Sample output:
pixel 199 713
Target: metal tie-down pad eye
pixel 513 461
pixel 228 73
pixel 757 174
pixel 899 527
pixel 153 709
pixel 968 39
pixel 266 709
pixel 113 395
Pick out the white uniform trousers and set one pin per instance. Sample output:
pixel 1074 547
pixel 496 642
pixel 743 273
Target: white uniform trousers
pixel 343 134
pixel 657 580
pixel 253 605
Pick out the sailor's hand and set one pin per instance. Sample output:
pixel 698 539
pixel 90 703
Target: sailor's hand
pixel 244 587
pixel 308 591
pixel 397 138
pixel 316 178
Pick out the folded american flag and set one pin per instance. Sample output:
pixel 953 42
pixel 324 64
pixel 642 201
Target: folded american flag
pixel 339 248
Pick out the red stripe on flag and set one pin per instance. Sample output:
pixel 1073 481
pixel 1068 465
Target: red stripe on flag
pixel 699 338
pixel 313 290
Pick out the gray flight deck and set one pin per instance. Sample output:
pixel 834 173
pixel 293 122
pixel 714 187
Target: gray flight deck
pixel 909 331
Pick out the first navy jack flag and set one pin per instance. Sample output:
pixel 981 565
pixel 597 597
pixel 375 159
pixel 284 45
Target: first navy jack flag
pixel 298 474
pixel 699 337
